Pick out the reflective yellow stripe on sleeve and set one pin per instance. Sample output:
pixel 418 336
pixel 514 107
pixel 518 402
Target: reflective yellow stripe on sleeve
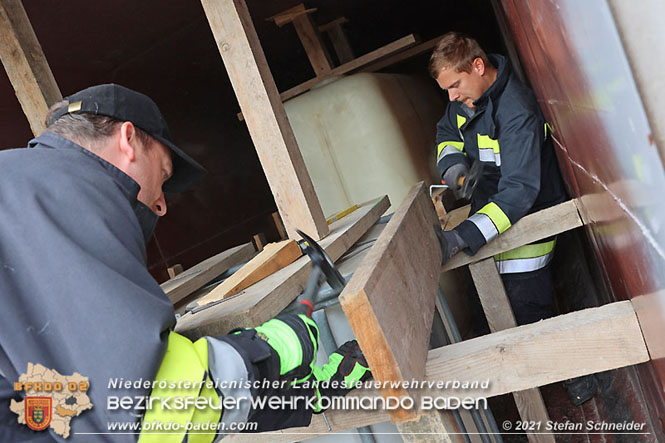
pixel 183 369
pixel 498 217
pixel 457 145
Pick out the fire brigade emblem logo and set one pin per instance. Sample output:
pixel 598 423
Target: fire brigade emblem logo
pixel 38 412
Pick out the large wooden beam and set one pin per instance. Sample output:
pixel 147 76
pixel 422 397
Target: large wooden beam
pixel 268 297
pixel 26 66
pixel 389 301
pixel 542 224
pixel 552 350
pixel 496 306
pixel 266 119
pixel 402 55
pixel 195 277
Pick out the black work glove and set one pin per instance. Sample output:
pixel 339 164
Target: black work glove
pixel 451 178
pixel 451 243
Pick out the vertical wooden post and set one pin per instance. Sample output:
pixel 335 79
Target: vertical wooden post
pixel 338 39
pixel 311 41
pixel 266 119
pixel 500 316
pixel 26 66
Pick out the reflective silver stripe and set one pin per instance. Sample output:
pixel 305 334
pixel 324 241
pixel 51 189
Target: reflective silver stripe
pixel 485 225
pixel 488 155
pixel 523 264
pixel 448 150
pixel 225 364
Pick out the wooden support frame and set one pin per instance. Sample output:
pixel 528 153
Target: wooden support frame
pixel 499 314
pixel 268 125
pixel 308 35
pixel 353 65
pixel 389 301
pixel 402 55
pixel 267 298
pixel 348 67
pixel 525 357
pixel 26 66
pixel 183 284
pixel 338 39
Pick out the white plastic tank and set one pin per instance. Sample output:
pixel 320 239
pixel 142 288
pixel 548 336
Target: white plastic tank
pixel 366 135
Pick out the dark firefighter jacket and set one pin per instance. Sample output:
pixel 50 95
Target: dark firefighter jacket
pixel 76 294
pixel 508 134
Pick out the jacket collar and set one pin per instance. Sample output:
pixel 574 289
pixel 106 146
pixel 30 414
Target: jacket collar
pixel 503 73
pixel 54 141
pixel 146 217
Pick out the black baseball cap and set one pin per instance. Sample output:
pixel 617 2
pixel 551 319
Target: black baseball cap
pixel 125 105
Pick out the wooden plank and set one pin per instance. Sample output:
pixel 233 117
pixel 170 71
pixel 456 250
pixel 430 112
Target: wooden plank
pixel 267 298
pixel 346 68
pixel 533 227
pixel 259 241
pixel 193 278
pixel 268 125
pixel 402 55
pixel 552 350
pixel 274 257
pixel 308 35
pixel 338 39
pixel 288 15
pixel 453 218
pixel 389 301
pixel 431 427
pixel 567 346
pixel 279 225
pixel 26 66
pixel 499 313
pixel 311 41
pixel 351 66
pixel 492 295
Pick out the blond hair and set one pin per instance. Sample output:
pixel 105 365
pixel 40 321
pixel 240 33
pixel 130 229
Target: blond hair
pixel 455 50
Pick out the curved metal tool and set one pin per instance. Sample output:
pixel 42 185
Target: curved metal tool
pixel 321 264
pixel 321 259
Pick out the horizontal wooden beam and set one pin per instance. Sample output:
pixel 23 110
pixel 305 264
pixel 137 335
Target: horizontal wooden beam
pixel 346 68
pixel 537 226
pixel 552 350
pixel 402 55
pixel 354 64
pixel 268 297
pixel 198 275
